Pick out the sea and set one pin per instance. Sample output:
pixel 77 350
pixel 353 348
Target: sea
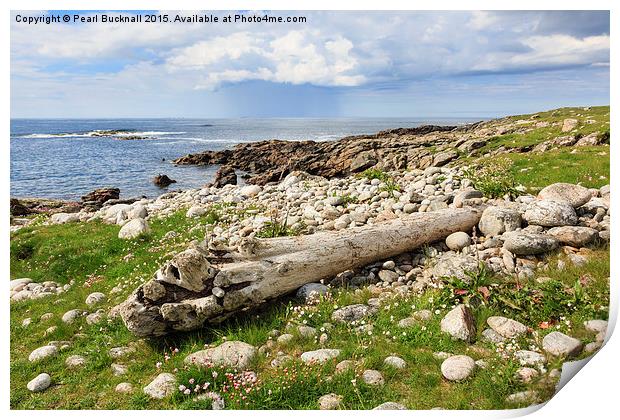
pixel 67 158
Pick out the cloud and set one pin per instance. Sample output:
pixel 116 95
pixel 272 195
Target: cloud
pixel 551 51
pixel 297 57
pixel 379 53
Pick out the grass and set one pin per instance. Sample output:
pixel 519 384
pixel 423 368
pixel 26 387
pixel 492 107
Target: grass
pixel 586 165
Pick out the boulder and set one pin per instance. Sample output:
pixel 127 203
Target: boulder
pixel 550 213
pixel 133 229
pixel 529 243
pixel 235 354
pixel 576 236
pixel 319 356
pixel 311 291
pixel 460 324
pixel 162 386
pixel 18 209
pixel 75 361
pixel 497 220
pixel 506 327
pixel 62 218
pixel 458 368
pixel 363 161
pixel 569 124
pixel 561 345
pixel 101 195
pixel 596 325
pixel 124 388
pixel 530 358
pixel 575 195
pixel 451 265
pixel 196 211
pixel 461 198
pixel 70 316
pixel 440 159
pixel 251 190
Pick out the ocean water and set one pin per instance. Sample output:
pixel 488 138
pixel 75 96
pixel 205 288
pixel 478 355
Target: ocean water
pixel 65 159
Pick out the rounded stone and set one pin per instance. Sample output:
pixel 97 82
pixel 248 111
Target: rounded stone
pixel 124 388
pixel 497 220
pixel 458 368
pixel 95 298
pixel 506 327
pixel 330 401
pixel 575 195
pixel 75 361
pixel 458 240
pixel 163 385
pixel 395 362
pixel 550 213
pixel 561 345
pixel 43 353
pixel 40 383
pixel 133 229
pixel 231 353
pixel 529 243
pixel 70 316
pixel 576 236
pixel 373 377
pixel 319 356
pixel 390 406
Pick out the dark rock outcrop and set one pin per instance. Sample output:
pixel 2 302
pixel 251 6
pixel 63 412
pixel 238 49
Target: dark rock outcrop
pixel 101 195
pixel 94 200
pixel 163 180
pixel 271 160
pixel 18 209
pixel 225 175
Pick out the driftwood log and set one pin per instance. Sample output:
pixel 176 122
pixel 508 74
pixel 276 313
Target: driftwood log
pixel 198 287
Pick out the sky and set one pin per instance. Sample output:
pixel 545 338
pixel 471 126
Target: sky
pixel 336 64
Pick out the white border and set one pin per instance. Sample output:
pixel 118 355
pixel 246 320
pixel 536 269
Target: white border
pixel 593 394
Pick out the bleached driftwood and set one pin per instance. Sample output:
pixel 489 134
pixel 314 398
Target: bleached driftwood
pixel 197 287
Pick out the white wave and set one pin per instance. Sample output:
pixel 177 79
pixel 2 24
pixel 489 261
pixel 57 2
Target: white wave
pixel 101 133
pixel 49 136
pixel 148 133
